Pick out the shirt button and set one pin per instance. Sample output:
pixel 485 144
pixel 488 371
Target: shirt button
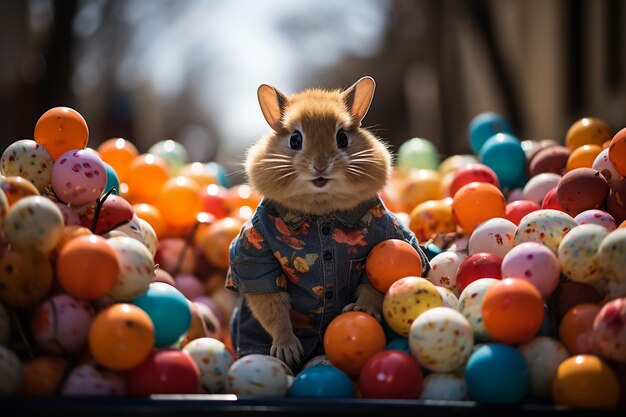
pixel 329 295
pixel 328 256
pixel 326 229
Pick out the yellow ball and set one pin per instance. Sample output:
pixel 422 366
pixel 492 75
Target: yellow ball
pixel 419 186
pixel 406 299
pixel 432 218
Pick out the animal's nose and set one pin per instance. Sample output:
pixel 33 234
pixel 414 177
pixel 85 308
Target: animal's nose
pixel 320 167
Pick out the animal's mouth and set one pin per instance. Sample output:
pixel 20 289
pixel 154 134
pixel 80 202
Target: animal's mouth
pixel 319 182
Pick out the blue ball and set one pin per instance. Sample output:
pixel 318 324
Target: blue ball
pixel 503 153
pixel 220 173
pixel 322 381
pixel 169 311
pixel 431 250
pixel 401 343
pixel 112 180
pixel 498 374
pixel 484 126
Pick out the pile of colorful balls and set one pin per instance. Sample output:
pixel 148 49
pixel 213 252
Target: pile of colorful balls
pixel 112 270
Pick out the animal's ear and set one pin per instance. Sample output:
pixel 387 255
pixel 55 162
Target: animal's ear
pixel 359 97
pixel 272 104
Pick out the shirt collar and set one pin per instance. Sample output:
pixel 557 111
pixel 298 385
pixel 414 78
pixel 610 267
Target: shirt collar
pixel 349 218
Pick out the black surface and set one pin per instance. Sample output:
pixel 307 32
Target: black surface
pixel 218 405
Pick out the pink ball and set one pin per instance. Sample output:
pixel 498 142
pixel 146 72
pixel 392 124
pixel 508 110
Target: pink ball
pixel 535 263
pixel 215 308
pixel 609 330
pixel 189 285
pixel 61 324
pixel 70 218
pixel 78 177
pixel 90 379
pixel 161 275
pixel 598 217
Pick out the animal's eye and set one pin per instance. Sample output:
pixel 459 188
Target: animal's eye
pixel 342 139
pixel 295 141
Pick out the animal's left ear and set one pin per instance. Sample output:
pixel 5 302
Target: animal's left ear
pixel 359 97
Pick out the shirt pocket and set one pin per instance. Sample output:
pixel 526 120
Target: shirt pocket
pixel 357 269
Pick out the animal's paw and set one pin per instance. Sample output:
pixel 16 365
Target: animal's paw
pixel 287 349
pixel 369 308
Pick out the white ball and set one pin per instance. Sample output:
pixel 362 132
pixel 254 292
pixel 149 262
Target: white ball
pixel 493 236
pixel 258 375
pixel 543 355
pixel 538 186
pixel 10 372
pixel 470 305
pixel 448 297
pixel 443 269
pixel 213 360
pixel 444 387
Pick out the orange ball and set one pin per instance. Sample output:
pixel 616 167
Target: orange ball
pixel 391 260
pixel 179 202
pixel 69 233
pixel 432 217
pixel 623 225
pixel 351 339
pixel 576 327
pixel 61 129
pixel 585 381
pixel 617 152
pixel 419 186
pixel 240 195
pixel 582 157
pixel 25 277
pixel 119 153
pixel 587 131
pixel 476 202
pixel 512 311
pixel 121 337
pixel 201 173
pixel 87 267
pixel 16 188
pixel 146 176
pixel 42 375
pixel 152 215
pixel 216 239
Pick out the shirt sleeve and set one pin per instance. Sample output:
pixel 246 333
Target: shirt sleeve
pixel 400 231
pixel 253 267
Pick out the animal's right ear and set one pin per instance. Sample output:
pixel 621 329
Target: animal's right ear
pixel 272 104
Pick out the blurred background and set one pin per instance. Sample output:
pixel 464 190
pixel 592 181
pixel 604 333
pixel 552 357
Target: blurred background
pixel 189 70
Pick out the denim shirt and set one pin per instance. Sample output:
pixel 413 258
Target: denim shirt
pixel 318 260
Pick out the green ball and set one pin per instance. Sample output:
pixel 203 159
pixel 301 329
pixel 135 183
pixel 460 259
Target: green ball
pixel 174 154
pixel 417 153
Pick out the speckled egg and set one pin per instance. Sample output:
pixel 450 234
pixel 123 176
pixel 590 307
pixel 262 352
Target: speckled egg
pixel 609 330
pixel 443 268
pixel 149 236
pixel 470 303
pixel 448 297
pixel 535 263
pixel 406 299
pixel 10 372
pixel 92 380
pixel 545 226
pixel 257 375
pixel 136 268
pixel 317 360
pixel 443 387
pixel 599 217
pixel 543 355
pixel 213 360
pixel 612 255
pixel 493 236
pixel 34 222
pixel 61 324
pixel 441 339
pixel 538 186
pixel 16 188
pixel 603 164
pixel 79 177
pixel 578 253
pixel 132 229
pixel 28 159
pixel 5 325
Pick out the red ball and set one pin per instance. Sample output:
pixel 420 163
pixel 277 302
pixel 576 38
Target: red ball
pixel 551 201
pixel 476 266
pixel 518 209
pixel 472 173
pixel 391 374
pixel 166 371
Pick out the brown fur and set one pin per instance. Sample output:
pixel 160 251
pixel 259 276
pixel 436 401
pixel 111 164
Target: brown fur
pixel 285 175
